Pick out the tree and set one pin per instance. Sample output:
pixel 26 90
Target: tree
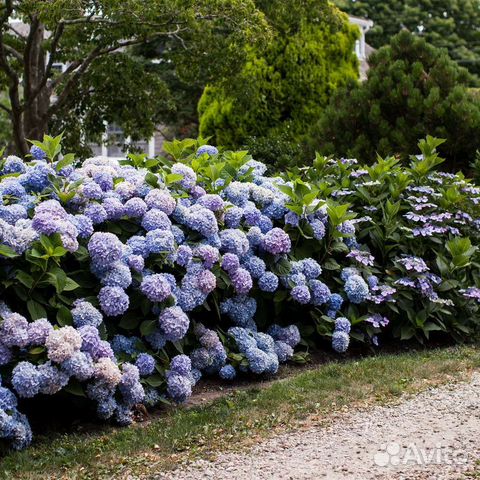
pixel 102 81
pixel 450 24
pixel 412 89
pixel 282 88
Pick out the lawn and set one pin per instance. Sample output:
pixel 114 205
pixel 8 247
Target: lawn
pixel 238 418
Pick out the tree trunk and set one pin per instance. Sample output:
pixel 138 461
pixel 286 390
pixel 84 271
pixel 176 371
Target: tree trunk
pixel 30 121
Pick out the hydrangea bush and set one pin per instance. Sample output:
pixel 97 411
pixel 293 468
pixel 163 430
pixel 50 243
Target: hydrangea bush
pixel 124 282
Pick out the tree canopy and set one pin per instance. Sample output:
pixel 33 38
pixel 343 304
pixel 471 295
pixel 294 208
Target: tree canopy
pixel 283 87
pixel 103 81
pixel 412 89
pixel 450 24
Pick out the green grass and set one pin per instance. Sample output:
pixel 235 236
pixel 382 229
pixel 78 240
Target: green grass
pixel 238 419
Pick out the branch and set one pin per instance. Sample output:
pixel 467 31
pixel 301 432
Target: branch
pixel 16 32
pixel 53 50
pixel 27 56
pixel 78 67
pixel 8 12
pixel 5 108
pixel 14 53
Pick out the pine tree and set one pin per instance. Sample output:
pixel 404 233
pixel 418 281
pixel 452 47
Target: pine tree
pixel 413 89
pixel 450 24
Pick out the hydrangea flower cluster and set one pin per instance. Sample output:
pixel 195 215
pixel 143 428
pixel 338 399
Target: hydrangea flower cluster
pixel 146 264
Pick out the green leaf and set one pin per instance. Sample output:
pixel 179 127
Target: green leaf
pixel 129 321
pixel 64 316
pixel 70 285
pixel 8 252
pixel 75 388
pixel 147 327
pixel 36 310
pixel 36 350
pixel 151 179
pixel 172 178
pixel 65 161
pixel 24 278
pixel 154 380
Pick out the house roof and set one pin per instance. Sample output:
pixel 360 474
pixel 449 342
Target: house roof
pixel 364 23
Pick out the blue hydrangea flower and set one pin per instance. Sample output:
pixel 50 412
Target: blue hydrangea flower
pixel 92 190
pixel 241 281
pixel 311 268
pixel 138 244
pixel 233 216
pixel 208 150
pixel 79 365
pixel 342 324
pixel 255 265
pixel 114 208
pixel 13 164
pixel 237 193
pixel 200 358
pixel 189 176
pixel 160 200
pixel 227 372
pixel 179 388
pixel 340 341
pixel 145 364
pixel 52 380
pixel 335 302
pixel 283 351
pixel 156 219
pixel 96 213
pixel 159 241
pixel 181 365
pixel 84 313
pixel 83 225
pixel 26 380
pixel 268 282
pixel 113 301
pixel 123 344
pixel 318 229
pixel 320 292
pixel 241 309
pixel 356 289
pixel 37 153
pixel 208 254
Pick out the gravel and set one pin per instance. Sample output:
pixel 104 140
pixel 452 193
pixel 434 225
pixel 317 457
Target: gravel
pixel 430 435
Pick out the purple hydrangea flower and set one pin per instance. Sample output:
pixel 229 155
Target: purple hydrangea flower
pixel 276 241
pixel 174 323
pixel 301 294
pixel 156 288
pixel 105 248
pixel 241 281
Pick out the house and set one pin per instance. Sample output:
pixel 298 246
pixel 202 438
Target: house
pixel 362 48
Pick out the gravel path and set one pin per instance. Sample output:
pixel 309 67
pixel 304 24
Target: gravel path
pixel 432 435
